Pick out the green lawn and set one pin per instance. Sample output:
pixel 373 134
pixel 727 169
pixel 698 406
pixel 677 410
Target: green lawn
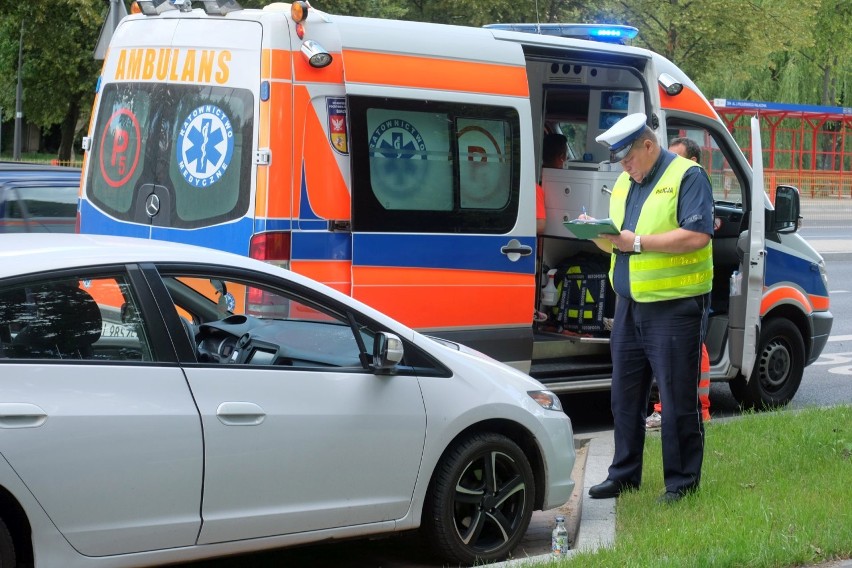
pixel 776 491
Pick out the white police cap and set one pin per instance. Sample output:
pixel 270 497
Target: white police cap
pixel 621 135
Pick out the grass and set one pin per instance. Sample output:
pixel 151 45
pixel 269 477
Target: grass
pixel 776 491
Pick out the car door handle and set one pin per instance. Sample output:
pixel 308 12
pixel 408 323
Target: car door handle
pixel 240 414
pixel 21 415
pixel 515 250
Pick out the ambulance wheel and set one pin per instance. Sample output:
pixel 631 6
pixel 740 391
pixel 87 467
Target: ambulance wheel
pixel 7 547
pixel 778 368
pixel 480 500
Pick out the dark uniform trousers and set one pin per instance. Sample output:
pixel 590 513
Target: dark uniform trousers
pixel 663 340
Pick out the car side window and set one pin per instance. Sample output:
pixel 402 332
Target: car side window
pixel 238 322
pixel 77 318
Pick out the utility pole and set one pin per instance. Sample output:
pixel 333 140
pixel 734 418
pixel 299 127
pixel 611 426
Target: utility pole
pixel 19 100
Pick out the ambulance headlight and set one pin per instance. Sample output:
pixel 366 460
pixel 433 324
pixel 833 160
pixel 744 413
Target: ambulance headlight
pixel 669 84
pixel 315 54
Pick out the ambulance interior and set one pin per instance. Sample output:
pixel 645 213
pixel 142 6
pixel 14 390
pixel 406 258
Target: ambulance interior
pixel 581 101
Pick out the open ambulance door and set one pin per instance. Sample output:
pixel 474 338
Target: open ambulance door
pixel 753 260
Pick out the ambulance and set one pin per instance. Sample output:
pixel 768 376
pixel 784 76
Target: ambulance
pixel 397 162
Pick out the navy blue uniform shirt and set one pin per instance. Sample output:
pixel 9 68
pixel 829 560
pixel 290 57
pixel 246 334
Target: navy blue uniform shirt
pixel 694 210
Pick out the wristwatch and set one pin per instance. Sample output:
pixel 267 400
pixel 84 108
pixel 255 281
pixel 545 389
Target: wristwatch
pixel 637 245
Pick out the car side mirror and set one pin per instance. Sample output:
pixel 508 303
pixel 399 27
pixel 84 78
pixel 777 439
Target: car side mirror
pixel 787 209
pixel 387 352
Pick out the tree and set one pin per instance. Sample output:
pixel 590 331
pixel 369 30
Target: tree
pixel 59 73
pixel 704 38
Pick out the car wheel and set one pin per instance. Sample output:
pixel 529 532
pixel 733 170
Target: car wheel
pixel 480 500
pixel 7 547
pixel 778 368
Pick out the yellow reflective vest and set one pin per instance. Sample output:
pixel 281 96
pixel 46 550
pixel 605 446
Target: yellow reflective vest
pixel 656 276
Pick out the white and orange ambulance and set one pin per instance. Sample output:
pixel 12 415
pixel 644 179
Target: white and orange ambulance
pixel 397 162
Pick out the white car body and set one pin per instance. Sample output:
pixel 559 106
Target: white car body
pixel 132 463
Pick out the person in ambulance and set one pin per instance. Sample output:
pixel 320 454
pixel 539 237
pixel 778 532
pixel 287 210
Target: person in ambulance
pixel 662 272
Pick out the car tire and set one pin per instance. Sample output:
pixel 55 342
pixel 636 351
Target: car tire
pixel 7 547
pixel 480 500
pixel 778 368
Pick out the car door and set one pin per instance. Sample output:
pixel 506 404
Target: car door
pixel 306 439
pixel 95 414
pixel 754 259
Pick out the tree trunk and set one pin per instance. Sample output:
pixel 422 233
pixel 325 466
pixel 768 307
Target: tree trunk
pixel 68 130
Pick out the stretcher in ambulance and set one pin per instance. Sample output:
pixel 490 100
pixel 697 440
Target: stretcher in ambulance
pixel 397 162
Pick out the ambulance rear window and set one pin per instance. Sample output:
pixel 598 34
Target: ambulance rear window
pixel 188 143
pixel 423 166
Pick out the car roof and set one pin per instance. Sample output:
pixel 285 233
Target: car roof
pixel 25 253
pixel 28 253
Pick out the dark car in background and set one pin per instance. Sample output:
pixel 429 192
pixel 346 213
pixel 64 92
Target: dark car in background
pixel 38 198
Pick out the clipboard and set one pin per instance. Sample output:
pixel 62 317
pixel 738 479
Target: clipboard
pixel 591 229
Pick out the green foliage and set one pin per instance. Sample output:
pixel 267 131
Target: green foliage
pixel 58 68
pixel 704 38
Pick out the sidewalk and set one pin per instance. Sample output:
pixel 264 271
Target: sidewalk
pixel 833 249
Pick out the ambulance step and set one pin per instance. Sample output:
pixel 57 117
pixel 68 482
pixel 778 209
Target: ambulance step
pixel 575 374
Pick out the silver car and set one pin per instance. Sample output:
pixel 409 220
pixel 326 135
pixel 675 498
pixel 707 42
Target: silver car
pixel 163 403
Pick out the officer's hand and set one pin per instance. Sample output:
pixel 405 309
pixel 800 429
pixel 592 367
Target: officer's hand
pixel 622 241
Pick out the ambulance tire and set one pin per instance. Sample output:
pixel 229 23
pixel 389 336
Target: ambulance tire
pixel 7 547
pixel 778 368
pixel 459 502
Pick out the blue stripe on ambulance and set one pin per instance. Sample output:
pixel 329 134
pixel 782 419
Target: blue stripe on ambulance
pixel 782 266
pixel 457 252
pixel 94 221
pixel 308 245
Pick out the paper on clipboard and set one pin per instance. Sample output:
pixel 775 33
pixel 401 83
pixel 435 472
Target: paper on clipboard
pixel 591 229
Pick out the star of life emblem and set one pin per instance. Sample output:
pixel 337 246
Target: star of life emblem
pixel 205 146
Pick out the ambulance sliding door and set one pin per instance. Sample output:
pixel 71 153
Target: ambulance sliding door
pixel 442 219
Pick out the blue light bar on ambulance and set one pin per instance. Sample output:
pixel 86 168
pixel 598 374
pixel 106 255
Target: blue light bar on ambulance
pixel 612 33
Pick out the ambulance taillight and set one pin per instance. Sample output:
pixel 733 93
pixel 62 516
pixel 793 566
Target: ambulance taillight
pixel 272 247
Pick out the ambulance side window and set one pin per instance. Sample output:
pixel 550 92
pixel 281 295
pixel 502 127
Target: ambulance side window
pixel 433 167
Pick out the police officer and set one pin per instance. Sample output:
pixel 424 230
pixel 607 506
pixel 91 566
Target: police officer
pixel 662 273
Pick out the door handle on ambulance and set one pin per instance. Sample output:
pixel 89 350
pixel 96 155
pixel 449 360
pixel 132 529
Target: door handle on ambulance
pixel 515 250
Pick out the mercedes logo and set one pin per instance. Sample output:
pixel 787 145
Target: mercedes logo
pixel 152 205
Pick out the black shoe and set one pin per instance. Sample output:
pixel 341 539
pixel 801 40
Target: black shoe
pixel 674 496
pixel 609 489
pixel 670 497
